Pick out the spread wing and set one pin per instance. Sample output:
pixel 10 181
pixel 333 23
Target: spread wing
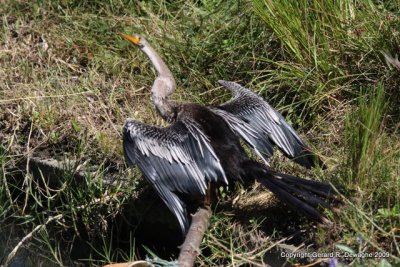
pixel 175 159
pixel 262 127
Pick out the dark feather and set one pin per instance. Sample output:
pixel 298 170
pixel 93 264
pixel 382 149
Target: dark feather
pixel 292 191
pixel 175 159
pixel 262 126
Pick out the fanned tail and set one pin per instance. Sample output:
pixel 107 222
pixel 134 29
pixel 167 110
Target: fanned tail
pixel 302 195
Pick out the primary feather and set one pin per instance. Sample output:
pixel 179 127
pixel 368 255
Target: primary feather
pixel 262 127
pixel 175 159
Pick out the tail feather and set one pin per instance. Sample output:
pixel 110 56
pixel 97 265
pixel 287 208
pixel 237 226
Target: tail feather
pixel 317 187
pixel 303 195
pixel 293 201
pixel 300 192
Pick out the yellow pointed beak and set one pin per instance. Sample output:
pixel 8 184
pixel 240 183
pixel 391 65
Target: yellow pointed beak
pixel 133 39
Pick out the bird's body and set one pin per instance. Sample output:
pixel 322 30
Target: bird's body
pixel 222 165
pixel 202 147
pixel 223 140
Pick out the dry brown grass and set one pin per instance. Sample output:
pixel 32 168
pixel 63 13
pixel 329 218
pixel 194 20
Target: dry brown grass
pixel 68 82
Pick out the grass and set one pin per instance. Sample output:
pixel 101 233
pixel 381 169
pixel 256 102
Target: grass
pixel 67 83
pixel 327 48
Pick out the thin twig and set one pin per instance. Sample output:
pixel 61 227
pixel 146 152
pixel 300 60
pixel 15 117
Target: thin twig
pixel 27 180
pixel 12 254
pixel 8 192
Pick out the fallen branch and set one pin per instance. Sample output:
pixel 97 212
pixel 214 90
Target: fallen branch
pixel 191 247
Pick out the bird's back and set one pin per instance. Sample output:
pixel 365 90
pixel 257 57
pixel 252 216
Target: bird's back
pixel 224 141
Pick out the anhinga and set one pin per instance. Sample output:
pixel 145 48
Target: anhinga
pixel 202 146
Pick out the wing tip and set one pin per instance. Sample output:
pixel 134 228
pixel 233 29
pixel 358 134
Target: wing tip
pixel 222 82
pixel 129 121
pixel 228 84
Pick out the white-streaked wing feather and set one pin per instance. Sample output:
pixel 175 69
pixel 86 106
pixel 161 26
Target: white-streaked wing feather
pixel 175 159
pixel 266 125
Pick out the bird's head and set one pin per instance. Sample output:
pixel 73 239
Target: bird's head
pixel 135 39
pixel 164 85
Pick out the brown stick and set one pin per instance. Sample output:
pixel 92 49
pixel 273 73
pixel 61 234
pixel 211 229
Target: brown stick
pixel 191 247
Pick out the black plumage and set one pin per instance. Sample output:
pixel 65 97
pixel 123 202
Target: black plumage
pixel 266 127
pixel 202 147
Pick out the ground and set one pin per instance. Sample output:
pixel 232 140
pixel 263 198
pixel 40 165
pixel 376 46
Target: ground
pixel 68 82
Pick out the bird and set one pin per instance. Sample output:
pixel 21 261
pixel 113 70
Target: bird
pixel 201 148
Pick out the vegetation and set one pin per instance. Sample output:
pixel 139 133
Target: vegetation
pixel 67 83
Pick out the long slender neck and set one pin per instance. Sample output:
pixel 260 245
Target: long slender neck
pixel 158 63
pixel 163 86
